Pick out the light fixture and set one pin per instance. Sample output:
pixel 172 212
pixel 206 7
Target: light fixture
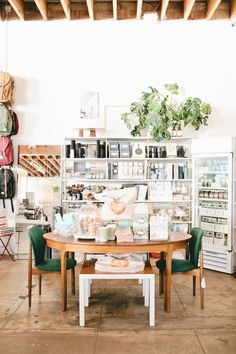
pixel 150 16
pixel 233 21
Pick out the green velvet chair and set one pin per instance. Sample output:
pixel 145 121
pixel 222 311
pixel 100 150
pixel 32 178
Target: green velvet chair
pixel 44 265
pixel 187 267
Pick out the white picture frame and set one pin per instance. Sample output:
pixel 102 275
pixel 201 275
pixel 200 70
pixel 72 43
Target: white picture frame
pixel 89 110
pixel 180 227
pixel 114 125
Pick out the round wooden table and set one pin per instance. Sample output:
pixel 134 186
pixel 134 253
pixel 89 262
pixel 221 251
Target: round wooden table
pixel 177 240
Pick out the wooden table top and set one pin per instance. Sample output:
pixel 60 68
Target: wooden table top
pixel 70 243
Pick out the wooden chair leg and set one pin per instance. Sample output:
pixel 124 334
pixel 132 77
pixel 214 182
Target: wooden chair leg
pixel 194 285
pixel 73 275
pixel 201 294
pixel 40 284
pixel 73 280
pixel 202 280
pixel 30 277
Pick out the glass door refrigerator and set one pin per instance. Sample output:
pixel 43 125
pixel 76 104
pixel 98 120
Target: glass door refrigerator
pixel 213 200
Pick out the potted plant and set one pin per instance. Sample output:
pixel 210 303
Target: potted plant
pixel 154 111
pixel 195 112
pixel 162 113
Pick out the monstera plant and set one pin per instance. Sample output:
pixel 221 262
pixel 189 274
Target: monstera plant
pixel 161 113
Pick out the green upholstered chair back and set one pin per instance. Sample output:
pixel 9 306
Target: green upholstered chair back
pixel 38 243
pixel 195 245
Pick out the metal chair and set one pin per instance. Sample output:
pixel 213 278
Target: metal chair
pixel 6 244
pixel 5 232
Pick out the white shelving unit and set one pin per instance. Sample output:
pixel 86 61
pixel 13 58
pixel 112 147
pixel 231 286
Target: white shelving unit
pixel 154 168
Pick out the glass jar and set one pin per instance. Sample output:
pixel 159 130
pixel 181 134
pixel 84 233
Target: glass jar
pixel 89 220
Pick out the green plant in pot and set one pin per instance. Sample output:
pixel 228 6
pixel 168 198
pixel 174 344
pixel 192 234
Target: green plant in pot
pixel 137 118
pixel 154 111
pixel 162 113
pixel 195 112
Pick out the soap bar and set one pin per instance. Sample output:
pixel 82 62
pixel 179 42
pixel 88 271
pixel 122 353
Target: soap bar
pixel 123 262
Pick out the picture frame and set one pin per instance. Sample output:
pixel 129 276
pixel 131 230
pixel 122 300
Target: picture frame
pixel 180 227
pixel 114 125
pixel 89 111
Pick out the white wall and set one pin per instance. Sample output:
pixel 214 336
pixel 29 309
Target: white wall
pixel 53 61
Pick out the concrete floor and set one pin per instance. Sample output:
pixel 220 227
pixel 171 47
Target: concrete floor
pixel 116 321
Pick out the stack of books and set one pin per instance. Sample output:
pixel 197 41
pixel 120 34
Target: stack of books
pixel 6 230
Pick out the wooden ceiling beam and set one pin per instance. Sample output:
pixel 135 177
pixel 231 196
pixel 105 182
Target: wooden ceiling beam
pixel 171 10
pixel 114 7
pixel 188 5
pixel 164 5
pixel 139 9
pixel 42 6
pixel 18 6
pixel 90 9
pixel 212 6
pixel 233 9
pixel 66 7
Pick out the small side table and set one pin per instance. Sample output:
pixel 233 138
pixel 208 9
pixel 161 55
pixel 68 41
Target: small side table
pixel 88 273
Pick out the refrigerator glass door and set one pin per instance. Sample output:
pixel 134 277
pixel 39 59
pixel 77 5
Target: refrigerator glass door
pixel 212 201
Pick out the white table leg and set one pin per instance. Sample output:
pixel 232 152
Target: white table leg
pixel 81 301
pixel 152 301
pixel 89 287
pixel 146 291
pixel 86 292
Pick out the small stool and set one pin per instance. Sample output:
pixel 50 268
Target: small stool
pixel 5 245
pixel 88 273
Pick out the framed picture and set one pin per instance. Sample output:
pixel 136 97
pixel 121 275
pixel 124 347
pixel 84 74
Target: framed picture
pixel 89 105
pixel 180 227
pixel 89 116
pixel 114 125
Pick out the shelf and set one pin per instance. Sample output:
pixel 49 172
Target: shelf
pixel 141 179
pixel 105 180
pixel 172 139
pixel 107 168
pixel 136 201
pixel 84 159
pixel 213 216
pixel 170 180
pixel 128 159
pixel 214 199
pixel 127 138
pixel 168 159
pixel 78 179
pixel 212 172
pixel 81 201
pixel 181 222
pixel 213 247
pixel 213 188
pixel 164 202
